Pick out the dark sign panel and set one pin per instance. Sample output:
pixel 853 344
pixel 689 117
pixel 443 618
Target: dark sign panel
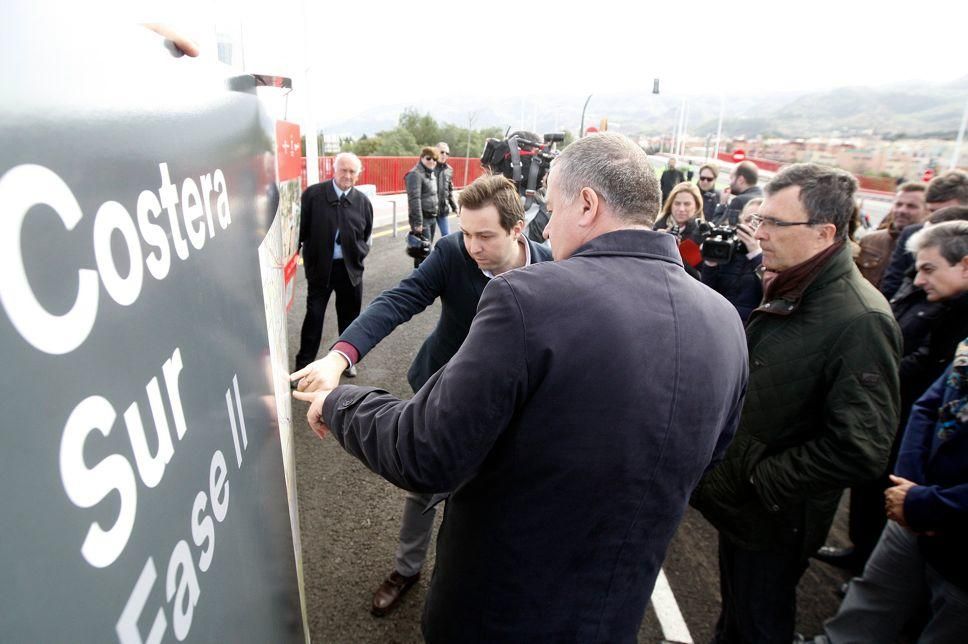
pixel 144 495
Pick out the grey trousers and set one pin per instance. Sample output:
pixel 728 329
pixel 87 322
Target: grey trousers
pixel 894 583
pixel 416 528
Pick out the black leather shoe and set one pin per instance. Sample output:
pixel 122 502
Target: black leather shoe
pixel 388 595
pixel 844 558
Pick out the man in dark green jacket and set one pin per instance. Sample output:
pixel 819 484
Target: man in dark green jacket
pixel 820 410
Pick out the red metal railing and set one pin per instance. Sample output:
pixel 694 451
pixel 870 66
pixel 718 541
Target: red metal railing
pixel 762 164
pixel 387 173
pixel 874 184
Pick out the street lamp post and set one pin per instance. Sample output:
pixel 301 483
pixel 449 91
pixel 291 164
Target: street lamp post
pixel 719 129
pixel 961 137
pixel 581 128
pixel 467 152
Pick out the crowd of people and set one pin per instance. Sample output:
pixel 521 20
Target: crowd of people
pixel 830 360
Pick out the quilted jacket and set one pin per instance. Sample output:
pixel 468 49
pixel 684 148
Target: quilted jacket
pixel 421 194
pixel 820 412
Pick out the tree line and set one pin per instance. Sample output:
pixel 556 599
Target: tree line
pixel 415 130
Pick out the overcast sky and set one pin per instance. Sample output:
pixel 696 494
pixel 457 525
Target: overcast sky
pixel 415 51
pixel 371 53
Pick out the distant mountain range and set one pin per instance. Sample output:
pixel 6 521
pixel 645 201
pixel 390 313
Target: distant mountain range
pixel 911 110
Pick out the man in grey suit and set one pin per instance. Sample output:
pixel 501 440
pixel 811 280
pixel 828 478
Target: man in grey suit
pixel 566 426
pixel 489 244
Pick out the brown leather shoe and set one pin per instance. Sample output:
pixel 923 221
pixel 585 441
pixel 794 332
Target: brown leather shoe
pixel 388 595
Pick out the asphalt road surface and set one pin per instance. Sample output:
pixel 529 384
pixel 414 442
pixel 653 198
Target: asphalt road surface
pixel 349 517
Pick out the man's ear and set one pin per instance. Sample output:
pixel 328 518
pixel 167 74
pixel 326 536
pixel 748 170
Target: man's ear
pixel 963 262
pixel 591 206
pixel 827 232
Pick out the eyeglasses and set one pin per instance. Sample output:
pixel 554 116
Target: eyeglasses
pixel 429 159
pixel 443 153
pixel 756 220
pixel 702 178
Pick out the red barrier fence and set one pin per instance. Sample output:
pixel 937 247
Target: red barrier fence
pixel 877 184
pixel 762 164
pixel 387 172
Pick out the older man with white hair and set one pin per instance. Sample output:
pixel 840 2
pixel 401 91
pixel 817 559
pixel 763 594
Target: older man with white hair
pixel 334 233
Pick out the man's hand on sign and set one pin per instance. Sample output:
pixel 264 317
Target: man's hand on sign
pixel 320 375
pixel 185 44
pixel 315 413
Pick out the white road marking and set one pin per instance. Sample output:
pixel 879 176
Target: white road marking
pixel 664 604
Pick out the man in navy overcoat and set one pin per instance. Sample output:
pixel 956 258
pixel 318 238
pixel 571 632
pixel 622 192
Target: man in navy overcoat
pixel 566 425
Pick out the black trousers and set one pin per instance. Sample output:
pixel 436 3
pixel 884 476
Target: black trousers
pixel 349 302
pixel 867 517
pixel 759 591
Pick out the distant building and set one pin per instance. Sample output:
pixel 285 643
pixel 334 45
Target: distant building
pixel 332 143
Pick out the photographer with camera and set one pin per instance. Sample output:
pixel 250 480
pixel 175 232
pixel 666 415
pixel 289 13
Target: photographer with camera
pixel 422 198
pixel 489 243
pixel 523 159
pixel 731 270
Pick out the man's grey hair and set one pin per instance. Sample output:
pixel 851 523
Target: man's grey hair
pixel 614 167
pixel 442 145
pixel 348 155
pixel 950 238
pixel 827 194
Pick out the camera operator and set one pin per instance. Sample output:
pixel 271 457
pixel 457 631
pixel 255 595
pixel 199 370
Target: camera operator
pixel 524 159
pixel 737 280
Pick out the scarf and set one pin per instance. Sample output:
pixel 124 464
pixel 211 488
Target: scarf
pixel 791 283
pixel 954 413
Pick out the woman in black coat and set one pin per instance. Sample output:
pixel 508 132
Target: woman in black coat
pixel 681 215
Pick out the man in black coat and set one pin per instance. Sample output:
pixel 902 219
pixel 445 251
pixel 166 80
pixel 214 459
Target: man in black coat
pixel 671 177
pixel 933 320
pixel 445 188
pixel 565 426
pixel 335 228
pixel 742 189
pixel 456 271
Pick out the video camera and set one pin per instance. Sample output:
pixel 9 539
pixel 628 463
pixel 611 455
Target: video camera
pixel 523 159
pixel 518 156
pixel 418 246
pixel 720 243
